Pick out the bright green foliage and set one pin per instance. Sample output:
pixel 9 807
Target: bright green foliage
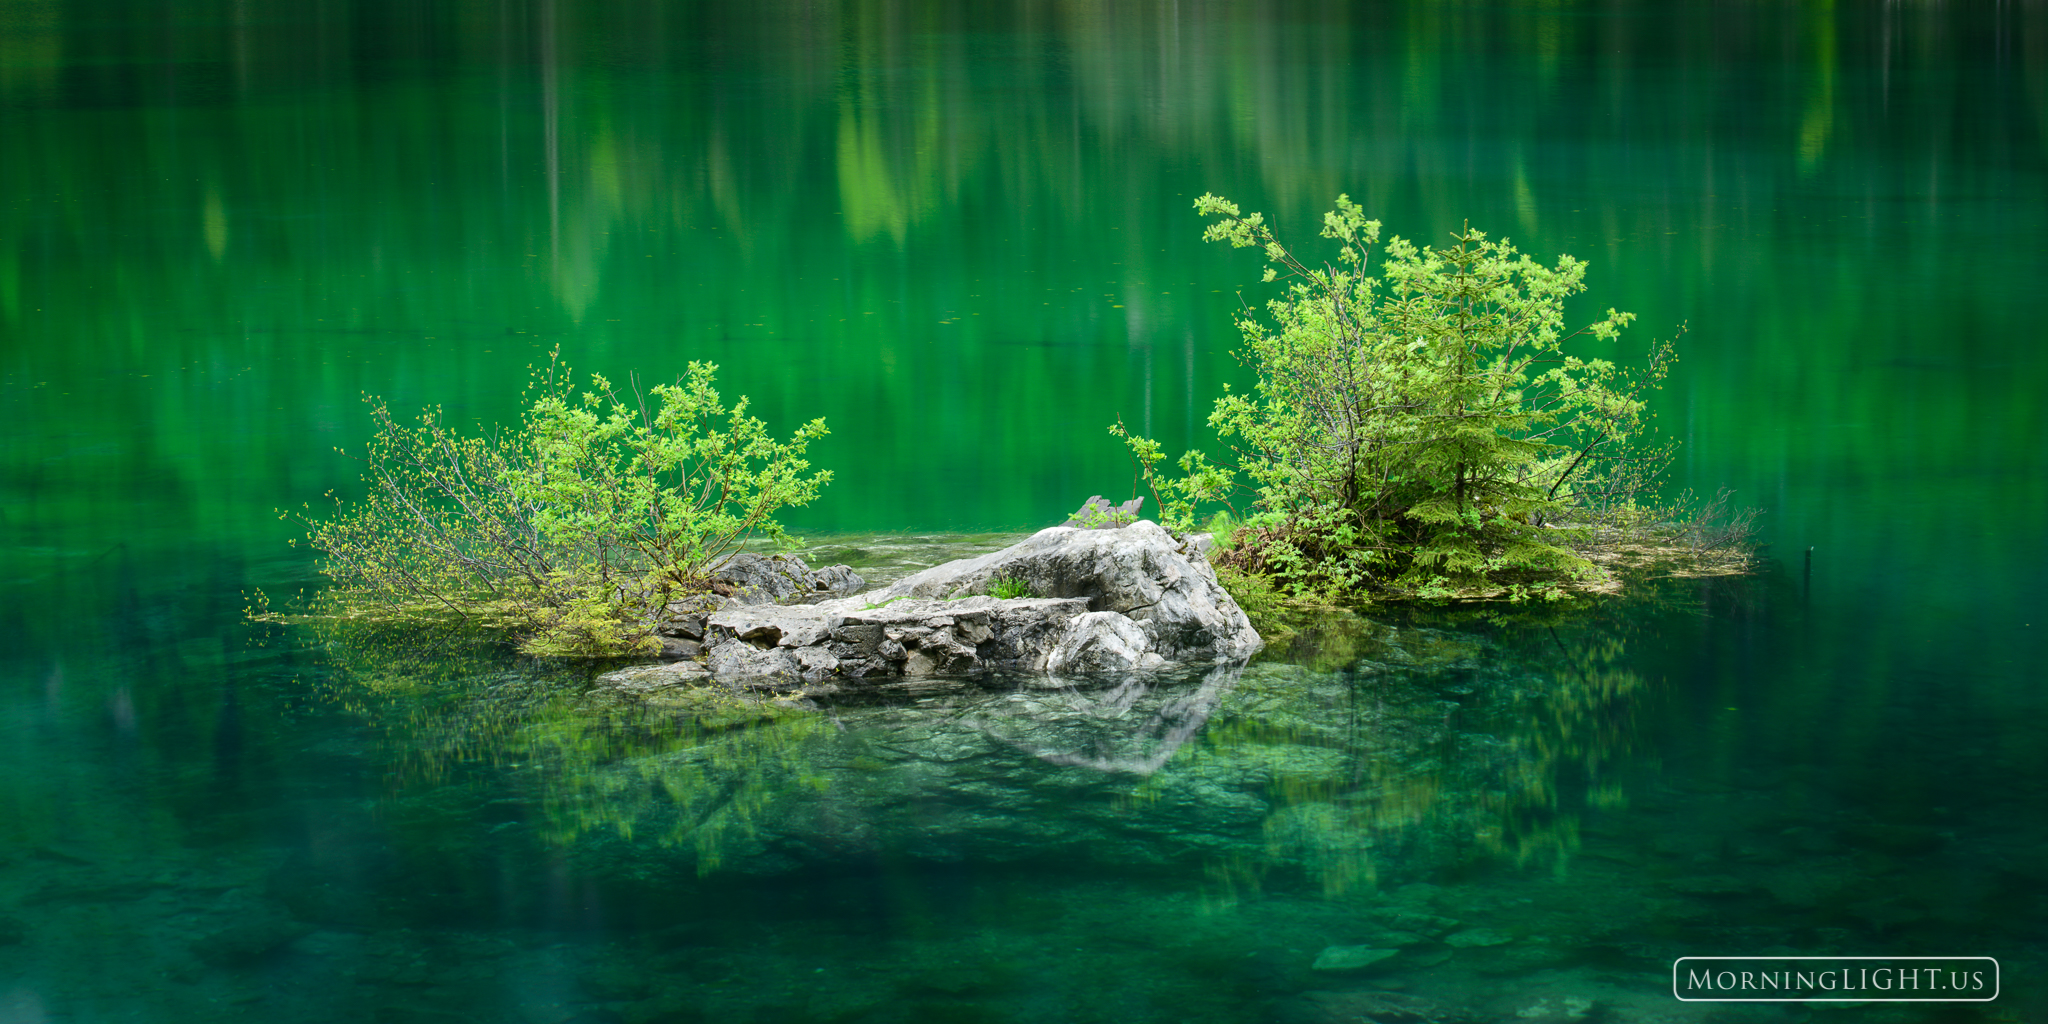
pixel 1418 424
pixel 573 529
pixel 1005 588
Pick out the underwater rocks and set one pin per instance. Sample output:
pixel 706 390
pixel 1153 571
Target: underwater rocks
pixel 942 771
pixel 643 679
pixel 1132 599
pixel 247 941
pixel 1128 770
pixel 1472 937
pixel 1344 959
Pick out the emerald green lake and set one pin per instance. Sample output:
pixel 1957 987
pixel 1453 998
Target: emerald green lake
pixel 963 235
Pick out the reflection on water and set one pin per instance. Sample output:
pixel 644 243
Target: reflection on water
pixel 1426 748
pixel 960 233
pixel 1511 814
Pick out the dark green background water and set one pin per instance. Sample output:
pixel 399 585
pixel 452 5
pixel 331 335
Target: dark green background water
pixel 961 234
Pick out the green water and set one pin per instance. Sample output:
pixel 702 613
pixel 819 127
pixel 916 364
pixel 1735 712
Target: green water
pixel 961 234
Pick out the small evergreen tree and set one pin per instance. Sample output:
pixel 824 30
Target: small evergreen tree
pixel 1417 425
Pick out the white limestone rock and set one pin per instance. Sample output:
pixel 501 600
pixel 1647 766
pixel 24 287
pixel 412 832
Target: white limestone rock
pixel 1140 571
pixel 1103 642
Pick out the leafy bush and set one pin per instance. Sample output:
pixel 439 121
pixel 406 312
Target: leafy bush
pixel 573 529
pixel 1007 587
pixel 1266 607
pixel 1418 425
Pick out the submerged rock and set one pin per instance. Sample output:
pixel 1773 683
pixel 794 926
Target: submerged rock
pixel 1343 959
pixel 1134 727
pixel 1472 937
pixel 644 678
pixel 246 942
pixel 938 770
pixel 1122 769
pixel 661 777
pixel 1372 1007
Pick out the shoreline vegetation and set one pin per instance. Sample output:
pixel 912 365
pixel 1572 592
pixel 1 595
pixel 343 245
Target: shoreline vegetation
pixel 1703 549
pixel 1293 627
pixel 1425 424
pixel 573 531
pixel 1424 428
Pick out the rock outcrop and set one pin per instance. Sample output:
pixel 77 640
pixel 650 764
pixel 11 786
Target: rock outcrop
pixel 1097 513
pixel 1138 571
pixel 911 637
pixel 750 578
pixel 1131 599
pixel 1103 642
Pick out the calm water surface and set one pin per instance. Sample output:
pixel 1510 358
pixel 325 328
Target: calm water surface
pixel 962 235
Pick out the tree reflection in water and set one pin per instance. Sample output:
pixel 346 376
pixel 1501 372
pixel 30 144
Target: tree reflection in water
pixel 1384 752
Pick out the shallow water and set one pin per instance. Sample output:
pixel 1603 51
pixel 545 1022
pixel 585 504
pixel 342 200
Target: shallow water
pixel 961 234
pixel 1538 815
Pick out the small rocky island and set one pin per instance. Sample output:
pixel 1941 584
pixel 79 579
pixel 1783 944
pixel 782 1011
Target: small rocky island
pixel 1106 600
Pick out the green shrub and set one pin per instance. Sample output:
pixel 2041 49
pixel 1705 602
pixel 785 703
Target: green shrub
pixel 1418 425
pixel 575 528
pixel 1008 587
pixel 1265 606
pixel 1222 529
